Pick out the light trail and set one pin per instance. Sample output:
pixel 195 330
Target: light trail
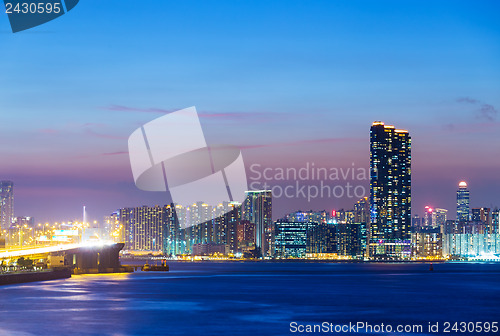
pixel 49 249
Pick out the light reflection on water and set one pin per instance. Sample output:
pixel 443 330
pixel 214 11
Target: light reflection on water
pixel 250 298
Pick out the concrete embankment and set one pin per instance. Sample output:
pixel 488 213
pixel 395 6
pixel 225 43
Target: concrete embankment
pixel 16 278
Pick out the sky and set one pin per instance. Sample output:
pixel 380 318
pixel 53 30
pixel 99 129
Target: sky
pixel 290 82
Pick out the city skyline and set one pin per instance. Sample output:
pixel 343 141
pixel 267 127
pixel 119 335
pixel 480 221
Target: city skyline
pixel 249 167
pixel 462 185
pixel 378 227
pixel 330 70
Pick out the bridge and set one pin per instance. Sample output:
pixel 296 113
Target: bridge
pixel 90 257
pixel 16 253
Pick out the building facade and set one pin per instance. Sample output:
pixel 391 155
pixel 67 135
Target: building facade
pixel 463 202
pixel 257 208
pixel 351 240
pixel 151 229
pixel 6 205
pixel 292 238
pixel 390 192
pixel 427 242
pixel 471 244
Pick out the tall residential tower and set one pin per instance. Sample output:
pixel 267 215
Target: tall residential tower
pixel 390 192
pixel 257 209
pixel 6 204
pixel 463 207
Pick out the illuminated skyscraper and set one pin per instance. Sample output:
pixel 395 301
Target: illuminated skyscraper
pixel 495 220
pixel 257 208
pixel 481 215
pixel 435 217
pixel 308 216
pixel 390 192
pixel 6 204
pixel 199 212
pixel 148 228
pixel 484 217
pixel 219 231
pixel 362 211
pixel 291 238
pixel 439 217
pixel 463 207
pixel 151 229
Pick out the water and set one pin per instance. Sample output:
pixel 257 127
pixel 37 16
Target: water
pixel 251 299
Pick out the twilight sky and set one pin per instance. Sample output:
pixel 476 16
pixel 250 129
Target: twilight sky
pixel 290 82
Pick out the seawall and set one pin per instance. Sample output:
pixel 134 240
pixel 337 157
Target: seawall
pixel 16 278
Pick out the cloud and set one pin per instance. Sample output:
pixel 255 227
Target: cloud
pixel 304 142
pixel 484 112
pixel 94 124
pixel 487 112
pixel 90 132
pixel 467 100
pixel 256 116
pixel 469 128
pixel 114 153
pixel 219 116
pixel 136 109
pixel 49 131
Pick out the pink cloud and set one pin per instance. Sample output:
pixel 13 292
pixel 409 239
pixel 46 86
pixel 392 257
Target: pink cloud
pixel 88 131
pixel 229 116
pixel 114 153
pixel 470 128
pixel 304 142
pixel 136 109
pixel 485 111
pixel 49 131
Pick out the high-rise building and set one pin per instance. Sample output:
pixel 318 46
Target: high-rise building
pixel 344 216
pixel 471 244
pixel 173 242
pixel 322 239
pixel 481 215
pixel 126 216
pixel 151 229
pixel 245 231
pixel 257 208
pixel 495 220
pixel 362 211
pixel 390 192
pixel 351 240
pixel 291 238
pixel 416 221
pixel 463 207
pixel 484 217
pixel 427 243
pixel 112 228
pixel 435 217
pixel 307 216
pixel 148 228
pixel 439 217
pixel 6 204
pixel 199 212
pixel 428 216
pixel 221 230
pixel 25 221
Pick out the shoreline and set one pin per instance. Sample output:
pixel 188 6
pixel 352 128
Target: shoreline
pixel 25 277
pixel 125 261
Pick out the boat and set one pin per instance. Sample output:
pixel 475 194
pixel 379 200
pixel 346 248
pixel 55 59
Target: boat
pixel 156 268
